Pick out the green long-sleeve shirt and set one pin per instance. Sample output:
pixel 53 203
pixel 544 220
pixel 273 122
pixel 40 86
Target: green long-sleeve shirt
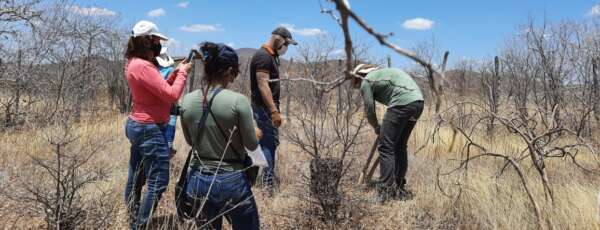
pixel 231 109
pixel 388 86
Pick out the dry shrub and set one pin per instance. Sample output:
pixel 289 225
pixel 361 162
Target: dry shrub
pixel 59 184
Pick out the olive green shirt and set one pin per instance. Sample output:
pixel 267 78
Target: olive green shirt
pixel 388 86
pixel 233 112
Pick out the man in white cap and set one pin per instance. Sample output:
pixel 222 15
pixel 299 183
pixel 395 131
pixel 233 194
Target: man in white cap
pixel 401 94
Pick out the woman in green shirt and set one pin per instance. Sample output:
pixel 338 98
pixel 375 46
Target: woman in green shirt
pixel 217 181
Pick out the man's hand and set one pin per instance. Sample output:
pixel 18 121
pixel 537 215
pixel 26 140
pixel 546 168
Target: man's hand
pixel 259 133
pixel 276 118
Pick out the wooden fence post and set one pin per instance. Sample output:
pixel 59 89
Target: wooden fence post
pixel 287 89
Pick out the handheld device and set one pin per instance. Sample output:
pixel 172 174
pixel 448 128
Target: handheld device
pixel 193 53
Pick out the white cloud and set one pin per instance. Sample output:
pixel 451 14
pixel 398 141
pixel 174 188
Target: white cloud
pixel 231 44
pixel 418 24
pixel 176 48
pixel 91 11
pixel 173 43
pixel 303 31
pixel 183 4
pixel 157 13
pixel 202 28
pixel 309 32
pixel 595 11
pixel 338 52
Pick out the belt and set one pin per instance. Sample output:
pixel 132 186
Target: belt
pixel 229 161
pixel 207 172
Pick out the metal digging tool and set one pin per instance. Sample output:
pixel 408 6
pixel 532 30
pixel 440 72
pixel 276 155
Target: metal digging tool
pixel 372 170
pixel 366 171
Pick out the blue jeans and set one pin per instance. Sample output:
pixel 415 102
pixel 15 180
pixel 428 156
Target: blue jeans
pixel 230 196
pixel 268 142
pixel 148 163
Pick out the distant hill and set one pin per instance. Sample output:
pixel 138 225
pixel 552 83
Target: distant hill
pixel 245 53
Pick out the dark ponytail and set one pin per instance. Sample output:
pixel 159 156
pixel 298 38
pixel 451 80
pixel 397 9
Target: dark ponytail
pixel 210 53
pixel 217 59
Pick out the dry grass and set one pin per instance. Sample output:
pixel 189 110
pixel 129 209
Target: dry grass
pixel 485 201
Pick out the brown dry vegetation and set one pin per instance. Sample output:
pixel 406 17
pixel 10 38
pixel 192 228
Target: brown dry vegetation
pixel 486 201
pixel 544 86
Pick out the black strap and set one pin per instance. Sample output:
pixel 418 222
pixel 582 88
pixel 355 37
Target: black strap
pixel 183 176
pixel 239 161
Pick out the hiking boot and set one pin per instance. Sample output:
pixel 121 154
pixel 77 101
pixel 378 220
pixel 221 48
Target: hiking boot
pixel 270 188
pixel 370 186
pixel 270 191
pixel 403 194
pixel 384 193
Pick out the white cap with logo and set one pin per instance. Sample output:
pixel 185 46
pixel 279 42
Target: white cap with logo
pixel 364 69
pixel 143 28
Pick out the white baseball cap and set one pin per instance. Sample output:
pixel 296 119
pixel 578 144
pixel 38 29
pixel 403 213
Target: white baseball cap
pixel 164 59
pixel 364 69
pixel 143 28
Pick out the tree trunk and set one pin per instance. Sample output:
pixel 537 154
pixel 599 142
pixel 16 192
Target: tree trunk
pixel 325 174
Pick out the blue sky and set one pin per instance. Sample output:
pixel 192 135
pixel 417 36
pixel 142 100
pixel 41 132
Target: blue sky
pixel 468 28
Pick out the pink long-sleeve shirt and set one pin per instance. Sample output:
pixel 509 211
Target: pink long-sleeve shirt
pixel 152 96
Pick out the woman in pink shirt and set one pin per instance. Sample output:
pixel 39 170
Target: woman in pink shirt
pixel 152 97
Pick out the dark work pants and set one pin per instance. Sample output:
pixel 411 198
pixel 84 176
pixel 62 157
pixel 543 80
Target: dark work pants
pixel 268 142
pixel 398 123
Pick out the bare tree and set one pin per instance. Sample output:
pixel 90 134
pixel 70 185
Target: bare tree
pixel 539 82
pixel 111 68
pixel 65 74
pixel 520 71
pixel 16 13
pixel 541 145
pixel 52 185
pixel 324 125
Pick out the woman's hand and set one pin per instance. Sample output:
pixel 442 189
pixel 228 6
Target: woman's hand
pixel 184 66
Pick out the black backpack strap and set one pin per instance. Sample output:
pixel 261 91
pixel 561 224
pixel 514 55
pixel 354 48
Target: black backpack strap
pixel 250 171
pixel 239 161
pixel 183 176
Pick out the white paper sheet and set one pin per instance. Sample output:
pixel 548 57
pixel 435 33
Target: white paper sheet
pixel 258 157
